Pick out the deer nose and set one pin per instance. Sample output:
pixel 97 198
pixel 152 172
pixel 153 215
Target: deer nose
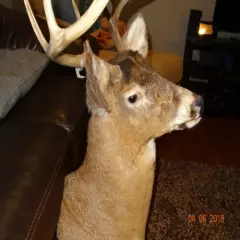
pixel 198 105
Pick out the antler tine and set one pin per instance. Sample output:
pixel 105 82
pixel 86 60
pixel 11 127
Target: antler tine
pixel 51 21
pixel 67 59
pixel 86 21
pixel 75 9
pixel 56 45
pixel 116 38
pixel 119 9
pixel 115 34
pixel 35 26
pixel 61 38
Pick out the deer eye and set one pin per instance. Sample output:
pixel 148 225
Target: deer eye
pixel 133 98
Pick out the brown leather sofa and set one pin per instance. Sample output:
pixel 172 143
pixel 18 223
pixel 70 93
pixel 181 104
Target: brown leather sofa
pixel 41 139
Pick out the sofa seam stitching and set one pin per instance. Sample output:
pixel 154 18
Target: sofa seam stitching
pixel 46 193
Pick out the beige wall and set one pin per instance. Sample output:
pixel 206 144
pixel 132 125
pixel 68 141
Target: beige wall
pixel 167 22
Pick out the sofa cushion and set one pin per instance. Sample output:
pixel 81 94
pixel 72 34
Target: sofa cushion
pixel 32 159
pixel 19 71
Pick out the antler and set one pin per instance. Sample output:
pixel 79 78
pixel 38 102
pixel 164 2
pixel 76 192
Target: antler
pixel 61 38
pixel 119 9
pixel 75 9
pixel 115 34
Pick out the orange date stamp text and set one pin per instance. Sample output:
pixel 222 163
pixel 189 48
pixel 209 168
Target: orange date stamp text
pixel 206 218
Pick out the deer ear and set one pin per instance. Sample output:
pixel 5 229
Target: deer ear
pixel 98 78
pixel 136 38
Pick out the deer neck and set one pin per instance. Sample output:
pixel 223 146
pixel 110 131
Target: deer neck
pixel 118 139
pixel 117 175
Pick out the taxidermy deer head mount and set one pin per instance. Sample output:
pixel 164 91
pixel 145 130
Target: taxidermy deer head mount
pixel 109 196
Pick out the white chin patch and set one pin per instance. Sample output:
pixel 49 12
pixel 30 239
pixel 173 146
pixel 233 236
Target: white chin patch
pixel 187 124
pixel 100 112
pixel 150 154
pixel 183 118
pixel 192 123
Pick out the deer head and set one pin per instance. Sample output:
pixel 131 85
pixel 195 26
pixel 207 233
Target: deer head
pixel 128 90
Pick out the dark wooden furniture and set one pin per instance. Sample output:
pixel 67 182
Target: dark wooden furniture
pixel 212 69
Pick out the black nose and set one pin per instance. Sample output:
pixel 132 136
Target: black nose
pixel 199 103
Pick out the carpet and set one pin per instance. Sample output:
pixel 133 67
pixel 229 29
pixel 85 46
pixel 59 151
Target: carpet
pixel 194 201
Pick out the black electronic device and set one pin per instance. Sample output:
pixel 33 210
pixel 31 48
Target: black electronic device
pixel 226 16
pixel 211 68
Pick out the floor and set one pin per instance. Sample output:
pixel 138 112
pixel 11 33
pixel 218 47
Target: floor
pixel 213 141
